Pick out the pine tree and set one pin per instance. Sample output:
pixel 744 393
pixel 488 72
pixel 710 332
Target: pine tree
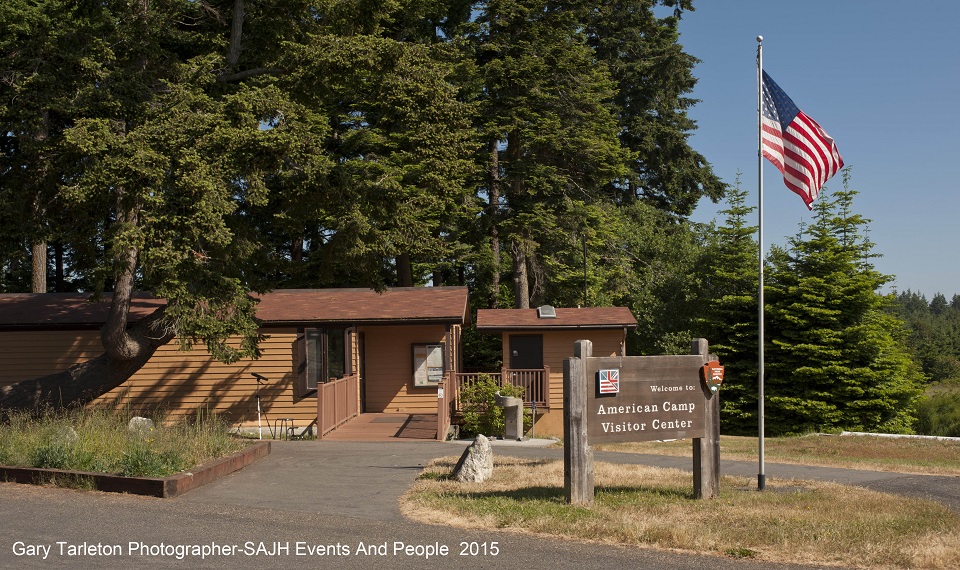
pixel 934 333
pixel 546 112
pixel 835 358
pixel 730 323
pixel 653 78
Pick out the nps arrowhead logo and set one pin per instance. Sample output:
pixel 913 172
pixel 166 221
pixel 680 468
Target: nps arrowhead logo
pixel 711 374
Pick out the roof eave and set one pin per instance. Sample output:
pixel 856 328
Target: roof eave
pixel 506 328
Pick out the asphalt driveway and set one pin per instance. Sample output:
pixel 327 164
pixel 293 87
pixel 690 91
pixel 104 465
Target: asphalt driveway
pixel 334 504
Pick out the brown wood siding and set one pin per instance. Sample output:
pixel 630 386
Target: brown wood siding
pixel 558 346
pixel 30 354
pixel 178 381
pixel 183 382
pixel 388 386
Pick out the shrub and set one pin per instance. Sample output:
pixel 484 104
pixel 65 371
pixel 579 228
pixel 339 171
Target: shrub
pixel 939 414
pixel 481 415
pixel 51 456
pixel 143 461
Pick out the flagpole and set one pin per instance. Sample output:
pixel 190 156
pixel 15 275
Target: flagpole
pixel 761 476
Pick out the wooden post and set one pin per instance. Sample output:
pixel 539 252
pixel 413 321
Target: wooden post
pixel 577 455
pixel 321 421
pixel 706 450
pixel 443 405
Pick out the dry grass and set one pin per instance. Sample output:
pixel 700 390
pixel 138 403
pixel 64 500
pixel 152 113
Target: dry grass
pixel 918 456
pixel 798 521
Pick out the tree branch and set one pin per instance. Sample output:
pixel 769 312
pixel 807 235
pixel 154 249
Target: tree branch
pixel 227 78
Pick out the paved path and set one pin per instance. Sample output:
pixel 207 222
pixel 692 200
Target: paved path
pixel 314 504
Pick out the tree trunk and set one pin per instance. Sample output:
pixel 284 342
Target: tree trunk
pixel 236 34
pixel 38 281
pixel 38 247
pixel 118 342
pixel 296 250
pixel 521 281
pixel 494 214
pixel 404 270
pixel 81 384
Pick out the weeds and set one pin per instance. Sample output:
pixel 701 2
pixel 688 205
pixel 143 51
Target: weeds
pixel 99 441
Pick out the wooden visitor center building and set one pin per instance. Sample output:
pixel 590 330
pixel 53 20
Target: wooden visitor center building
pixel 339 363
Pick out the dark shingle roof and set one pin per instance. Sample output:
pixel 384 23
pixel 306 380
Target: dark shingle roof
pixel 284 306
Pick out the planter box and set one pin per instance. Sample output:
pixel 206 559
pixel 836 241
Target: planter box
pixel 163 487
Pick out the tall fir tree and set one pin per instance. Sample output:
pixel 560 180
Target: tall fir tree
pixel 836 357
pixel 547 116
pixel 654 78
pixel 730 323
pixel 934 333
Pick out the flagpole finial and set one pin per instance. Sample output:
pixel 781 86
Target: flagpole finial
pixel 759 39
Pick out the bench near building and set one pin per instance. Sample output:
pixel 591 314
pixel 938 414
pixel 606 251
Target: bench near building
pixel 328 353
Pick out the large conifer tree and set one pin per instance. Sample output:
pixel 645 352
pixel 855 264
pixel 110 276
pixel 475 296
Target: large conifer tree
pixel 731 315
pixel 836 359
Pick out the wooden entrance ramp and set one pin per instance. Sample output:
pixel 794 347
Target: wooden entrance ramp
pixel 386 427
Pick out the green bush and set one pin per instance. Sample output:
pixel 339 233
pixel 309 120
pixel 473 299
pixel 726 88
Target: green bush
pixel 939 414
pixel 51 456
pixel 481 415
pixel 143 461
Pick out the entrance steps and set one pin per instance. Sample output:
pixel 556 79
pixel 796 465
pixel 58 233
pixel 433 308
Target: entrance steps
pixel 386 427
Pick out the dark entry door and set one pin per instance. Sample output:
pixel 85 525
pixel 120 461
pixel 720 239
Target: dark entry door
pixel 526 351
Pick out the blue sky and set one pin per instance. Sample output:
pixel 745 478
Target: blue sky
pixel 882 78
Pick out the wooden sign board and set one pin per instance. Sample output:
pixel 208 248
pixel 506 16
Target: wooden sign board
pixel 659 397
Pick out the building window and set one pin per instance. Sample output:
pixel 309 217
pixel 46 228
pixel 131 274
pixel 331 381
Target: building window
pixel 323 357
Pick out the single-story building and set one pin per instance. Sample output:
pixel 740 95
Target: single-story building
pixel 396 346
pixel 536 342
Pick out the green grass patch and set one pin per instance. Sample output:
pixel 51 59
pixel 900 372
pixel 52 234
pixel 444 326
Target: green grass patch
pixel 99 441
pixel 806 522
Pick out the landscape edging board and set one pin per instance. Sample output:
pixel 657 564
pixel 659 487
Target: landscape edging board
pixel 163 487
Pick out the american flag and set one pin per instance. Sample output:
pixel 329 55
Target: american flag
pixel 802 151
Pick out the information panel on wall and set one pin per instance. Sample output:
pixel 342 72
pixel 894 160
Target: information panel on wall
pixel 427 364
pixel 656 397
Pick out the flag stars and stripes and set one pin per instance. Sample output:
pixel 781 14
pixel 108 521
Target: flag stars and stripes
pixel 793 142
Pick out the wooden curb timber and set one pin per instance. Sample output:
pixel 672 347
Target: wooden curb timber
pixel 162 487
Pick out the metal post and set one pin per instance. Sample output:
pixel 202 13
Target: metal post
pixel 761 476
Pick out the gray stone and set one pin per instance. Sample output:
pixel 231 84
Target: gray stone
pixel 140 426
pixel 476 463
pixel 66 436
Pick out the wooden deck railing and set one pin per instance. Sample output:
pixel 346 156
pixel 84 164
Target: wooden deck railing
pixel 337 402
pixel 535 384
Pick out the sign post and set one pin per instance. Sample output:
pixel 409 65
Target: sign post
pixel 706 449
pixel 656 398
pixel 577 455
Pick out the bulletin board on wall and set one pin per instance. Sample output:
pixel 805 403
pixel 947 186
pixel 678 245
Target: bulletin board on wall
pixel 428 364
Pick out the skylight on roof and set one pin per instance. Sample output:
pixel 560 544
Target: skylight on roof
pixel 546 312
